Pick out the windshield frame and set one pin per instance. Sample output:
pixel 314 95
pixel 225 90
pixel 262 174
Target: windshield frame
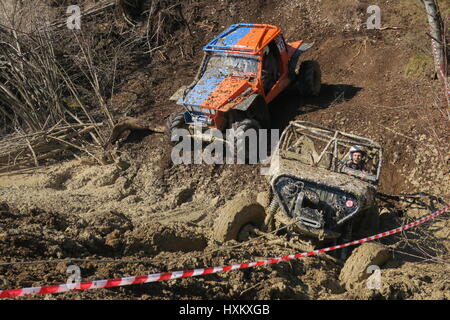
pixel 208 68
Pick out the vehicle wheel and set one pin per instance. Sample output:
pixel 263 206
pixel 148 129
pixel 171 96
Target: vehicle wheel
pixel 309 78
pixel 246 148
pixel 175 121
pixel 237 220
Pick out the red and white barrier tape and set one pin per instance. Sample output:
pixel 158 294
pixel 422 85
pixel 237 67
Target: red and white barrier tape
pixel 197 272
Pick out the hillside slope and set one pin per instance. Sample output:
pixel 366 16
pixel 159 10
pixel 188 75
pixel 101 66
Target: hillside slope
pixel 377 83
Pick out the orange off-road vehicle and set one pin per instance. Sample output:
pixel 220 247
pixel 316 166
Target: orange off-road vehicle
pixel 243 70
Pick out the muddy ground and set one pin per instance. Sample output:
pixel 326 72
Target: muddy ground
pixel 152 216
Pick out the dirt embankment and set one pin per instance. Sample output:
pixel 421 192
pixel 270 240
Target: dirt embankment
pixel 154 216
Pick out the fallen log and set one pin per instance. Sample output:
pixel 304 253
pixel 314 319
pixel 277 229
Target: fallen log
pixel 124 128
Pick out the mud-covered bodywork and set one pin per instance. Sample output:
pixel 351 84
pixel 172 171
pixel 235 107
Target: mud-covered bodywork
pixel 312 183
pixel 224 78
pixel 231 75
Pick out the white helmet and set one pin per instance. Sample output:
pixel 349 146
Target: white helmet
pixel 357 148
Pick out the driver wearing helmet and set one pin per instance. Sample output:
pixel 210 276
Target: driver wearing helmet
pixel 357 159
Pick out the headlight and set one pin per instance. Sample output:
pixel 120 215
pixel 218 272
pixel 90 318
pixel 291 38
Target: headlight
pixel 201 110
pixel 347 203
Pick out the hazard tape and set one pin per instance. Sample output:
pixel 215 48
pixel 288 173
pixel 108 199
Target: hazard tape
pixel 198 272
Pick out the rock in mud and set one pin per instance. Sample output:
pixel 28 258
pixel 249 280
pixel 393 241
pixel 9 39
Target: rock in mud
pixel 355 268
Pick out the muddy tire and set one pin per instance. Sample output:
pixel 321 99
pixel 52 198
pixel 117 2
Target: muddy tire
pixel 175 121
pixel 237 219
pixel 242 144
pixel 309 78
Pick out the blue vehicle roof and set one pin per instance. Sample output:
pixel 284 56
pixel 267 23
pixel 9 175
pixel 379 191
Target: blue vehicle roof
pixel 243 38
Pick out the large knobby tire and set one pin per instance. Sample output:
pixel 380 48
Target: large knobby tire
pixel 242 143
pixel 175 121
pixel 309 78
pixel 235 219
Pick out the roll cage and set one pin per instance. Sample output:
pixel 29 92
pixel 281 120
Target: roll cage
pixel 315 145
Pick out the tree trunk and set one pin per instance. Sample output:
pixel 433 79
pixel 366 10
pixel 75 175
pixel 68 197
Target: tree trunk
pixel 434 19
pixel 438 43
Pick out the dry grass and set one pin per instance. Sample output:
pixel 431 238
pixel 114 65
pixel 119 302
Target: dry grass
pixel 44 113
pixel 423 243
